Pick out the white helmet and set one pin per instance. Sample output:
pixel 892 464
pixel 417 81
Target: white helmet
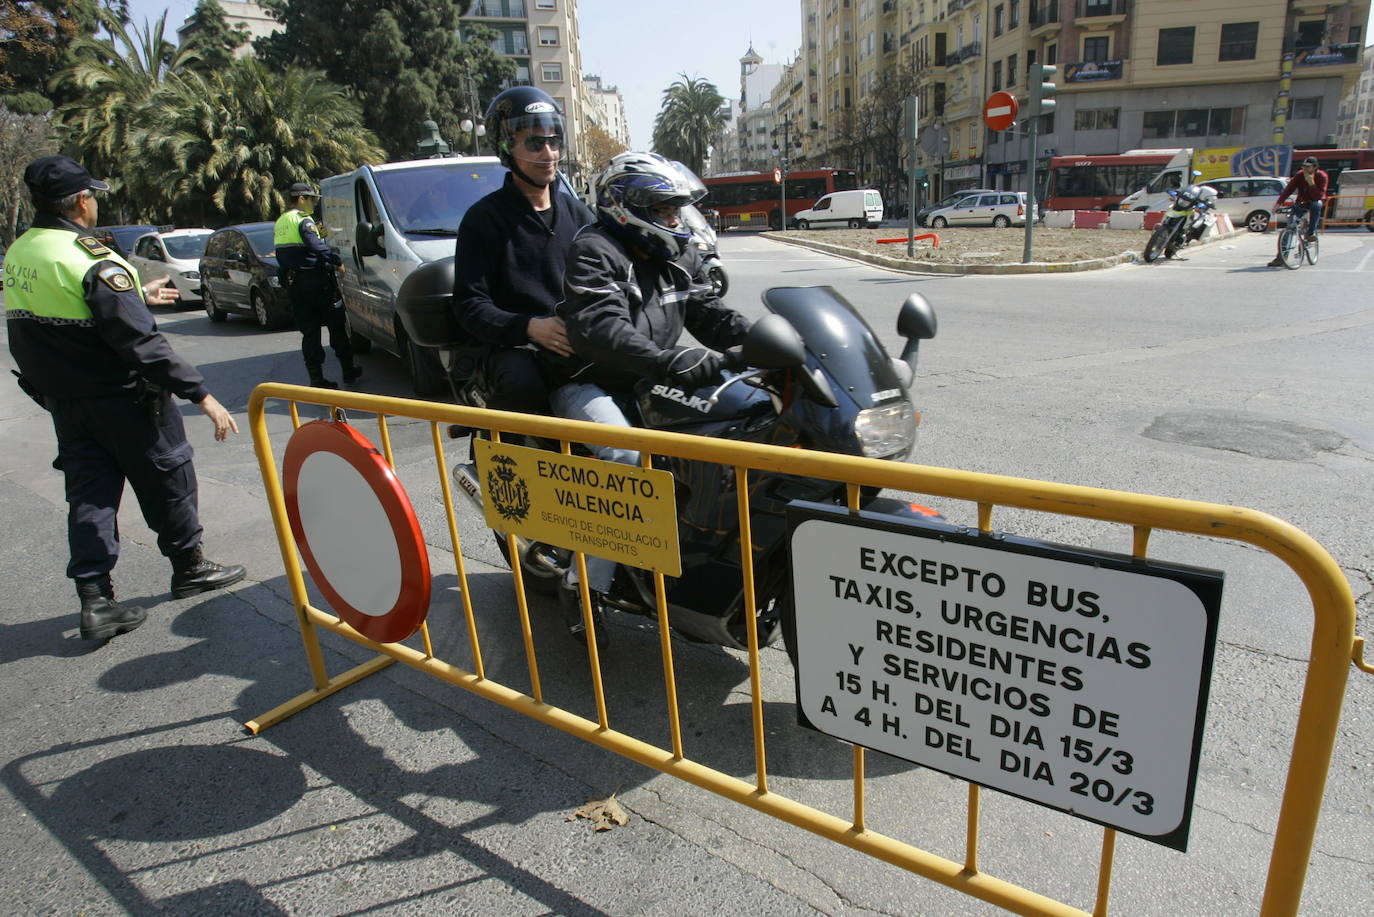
pixel 632 185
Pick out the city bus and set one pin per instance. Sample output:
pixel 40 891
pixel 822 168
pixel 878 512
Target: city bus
pixel 749 200
pixel 1100 182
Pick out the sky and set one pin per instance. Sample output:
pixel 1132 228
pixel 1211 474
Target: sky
pixel 642 46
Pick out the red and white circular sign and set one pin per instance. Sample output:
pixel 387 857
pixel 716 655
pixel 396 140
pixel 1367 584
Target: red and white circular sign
pixel 777 176
pixel 999 111
pixel 356 530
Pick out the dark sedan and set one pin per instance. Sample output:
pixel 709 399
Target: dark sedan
pixel 239 275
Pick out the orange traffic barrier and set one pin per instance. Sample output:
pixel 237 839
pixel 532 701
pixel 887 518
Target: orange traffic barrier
pixel 934 236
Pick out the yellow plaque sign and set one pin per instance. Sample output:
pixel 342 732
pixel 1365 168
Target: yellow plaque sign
pixel 621 512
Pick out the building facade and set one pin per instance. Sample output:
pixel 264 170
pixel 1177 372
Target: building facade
pixel 248 16
pixel 606 109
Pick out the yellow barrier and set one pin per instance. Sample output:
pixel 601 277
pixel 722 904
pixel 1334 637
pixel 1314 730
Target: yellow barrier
pixel 1334 645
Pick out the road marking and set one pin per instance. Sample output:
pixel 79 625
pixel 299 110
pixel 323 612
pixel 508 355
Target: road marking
pixel 1364 261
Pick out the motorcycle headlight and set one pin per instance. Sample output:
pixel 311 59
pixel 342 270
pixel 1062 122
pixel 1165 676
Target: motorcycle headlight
pixel 886 430
pixel 702 246
pixel 190 275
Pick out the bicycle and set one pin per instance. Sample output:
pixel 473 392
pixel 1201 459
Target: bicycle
pixel 1295 243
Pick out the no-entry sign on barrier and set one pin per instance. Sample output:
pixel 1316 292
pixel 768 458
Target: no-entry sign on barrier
pixel 1072 678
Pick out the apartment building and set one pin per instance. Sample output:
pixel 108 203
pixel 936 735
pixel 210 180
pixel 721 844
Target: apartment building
pixel 606 109
pixel 543 38
pixel 1355 120
pixel 1132 74
pixel 248 16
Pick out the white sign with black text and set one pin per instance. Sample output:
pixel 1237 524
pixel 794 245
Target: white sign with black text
pixel 1073 678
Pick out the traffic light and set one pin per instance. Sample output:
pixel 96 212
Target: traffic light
pixel 1042 90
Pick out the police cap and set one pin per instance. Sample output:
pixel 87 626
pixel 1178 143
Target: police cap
pixel 55 177
pixel 301 189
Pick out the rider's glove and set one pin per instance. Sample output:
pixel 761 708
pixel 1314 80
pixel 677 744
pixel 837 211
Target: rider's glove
pixel 689 367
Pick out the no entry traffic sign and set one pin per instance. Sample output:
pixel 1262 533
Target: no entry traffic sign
pixel 999 111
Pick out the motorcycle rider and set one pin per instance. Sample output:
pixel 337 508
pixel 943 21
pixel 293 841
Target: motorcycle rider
pixel 1308 188
pixel 633 282
pixel 511 248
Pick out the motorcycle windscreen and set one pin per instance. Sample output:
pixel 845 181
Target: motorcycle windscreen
pixel 853 357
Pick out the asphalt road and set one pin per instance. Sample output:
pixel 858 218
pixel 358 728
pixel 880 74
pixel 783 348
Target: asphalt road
pixel 129 786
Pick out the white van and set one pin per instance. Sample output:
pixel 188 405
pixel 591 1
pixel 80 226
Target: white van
pixel 386 220
pixel 855 209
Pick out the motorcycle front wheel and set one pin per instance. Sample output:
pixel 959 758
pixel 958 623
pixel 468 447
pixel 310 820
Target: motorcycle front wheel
pixel 1155 247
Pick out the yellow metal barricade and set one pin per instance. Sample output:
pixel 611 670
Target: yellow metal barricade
pixel 1334 644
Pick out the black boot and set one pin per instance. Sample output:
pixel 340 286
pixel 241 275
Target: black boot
pixel 101 616
pixel 352 372
pixel 317 378
pixel 570 604
pixel 192 574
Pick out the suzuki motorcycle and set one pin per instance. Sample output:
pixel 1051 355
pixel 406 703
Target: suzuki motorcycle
pixel 810 374
pixel 1192 214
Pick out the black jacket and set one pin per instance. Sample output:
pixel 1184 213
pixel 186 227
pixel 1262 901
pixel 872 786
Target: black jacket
pixel 623 313
pixel 509 265
pixel 112 356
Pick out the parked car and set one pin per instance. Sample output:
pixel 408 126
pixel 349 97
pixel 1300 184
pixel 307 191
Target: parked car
pixel 949 200
pixel 176 254
pixel 121 238
pixel 238 274
pixel 1248 201
pixel 855 209
pixel 994 208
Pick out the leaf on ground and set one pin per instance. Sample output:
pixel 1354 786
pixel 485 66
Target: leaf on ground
pixel 604 814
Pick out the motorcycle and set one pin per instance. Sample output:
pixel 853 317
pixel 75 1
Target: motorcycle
pixel 704 238
pixel 1193 213
pixel 810 374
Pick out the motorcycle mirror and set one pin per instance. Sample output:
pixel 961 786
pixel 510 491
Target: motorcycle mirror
pixel 772 343
pixel 916 322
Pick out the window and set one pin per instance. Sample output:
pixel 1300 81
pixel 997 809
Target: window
pixel 1194 122
pixel 551 72
pixel 1011 70
pixel 1051 55
pixel 1175 46
pixel 996 75
pixel 1096 48
pixel 1014 14
pixel 1096 119
pixel 1310 107
pixel 998 14
pixel 548 35
pixel 1238 40
pixel 546 4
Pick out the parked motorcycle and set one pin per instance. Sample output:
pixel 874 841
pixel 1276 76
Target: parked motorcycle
pixel 810 374
pixel 1193 212
pixel 704 238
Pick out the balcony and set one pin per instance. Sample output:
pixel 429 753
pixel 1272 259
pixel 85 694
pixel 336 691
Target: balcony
pixel 956 5
pixel 1326 55
pixel 1044 18
pixel 1092 71
pixel 889 6
pixel 1102 12
pixel 966 53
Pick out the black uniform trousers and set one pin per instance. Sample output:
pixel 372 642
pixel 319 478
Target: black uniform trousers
pixel 313 297
pixel 101 443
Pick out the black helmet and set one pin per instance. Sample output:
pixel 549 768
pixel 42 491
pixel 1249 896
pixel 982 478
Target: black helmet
pixel 521 108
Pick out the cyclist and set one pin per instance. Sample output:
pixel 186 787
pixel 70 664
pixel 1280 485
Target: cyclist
pixel 1308 188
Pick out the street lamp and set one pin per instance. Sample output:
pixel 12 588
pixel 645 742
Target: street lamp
pixel 784 155
pixel 1364 136
pixel 477 130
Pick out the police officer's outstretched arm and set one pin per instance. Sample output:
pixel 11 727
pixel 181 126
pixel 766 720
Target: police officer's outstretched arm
pixel 124 322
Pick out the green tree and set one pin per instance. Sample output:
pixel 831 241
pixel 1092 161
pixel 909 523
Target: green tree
pixel 112 79
pixel 212 40
pixel 689 121
pixel 405 58
pixel 223 147
pixel 35 40
pixel 23 138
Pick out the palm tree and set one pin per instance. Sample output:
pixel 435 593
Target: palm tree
pixel 112 80
pixel 222 147
pixel 689 121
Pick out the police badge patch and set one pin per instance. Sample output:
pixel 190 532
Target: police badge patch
pixel 92 245
pixel 116 278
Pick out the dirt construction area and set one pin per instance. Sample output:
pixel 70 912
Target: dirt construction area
pixel 978 245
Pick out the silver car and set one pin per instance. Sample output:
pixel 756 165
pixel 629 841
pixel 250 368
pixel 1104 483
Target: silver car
pixel 993 208
pixel 176 254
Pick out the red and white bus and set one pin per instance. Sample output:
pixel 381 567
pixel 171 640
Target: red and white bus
pixel 751 200
pixel 1100 182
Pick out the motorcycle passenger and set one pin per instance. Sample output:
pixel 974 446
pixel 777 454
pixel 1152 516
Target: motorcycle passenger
pixel 633 282
pixel 511 250
pixel 1308 188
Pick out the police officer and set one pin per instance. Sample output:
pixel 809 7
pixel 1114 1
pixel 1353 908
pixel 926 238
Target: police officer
pixel 89 351
pixel 310 266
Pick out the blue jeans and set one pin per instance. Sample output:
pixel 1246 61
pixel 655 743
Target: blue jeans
pixel 584 401
pixel 1314 215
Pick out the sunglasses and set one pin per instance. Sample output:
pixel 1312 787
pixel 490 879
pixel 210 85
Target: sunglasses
pixel 535 143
